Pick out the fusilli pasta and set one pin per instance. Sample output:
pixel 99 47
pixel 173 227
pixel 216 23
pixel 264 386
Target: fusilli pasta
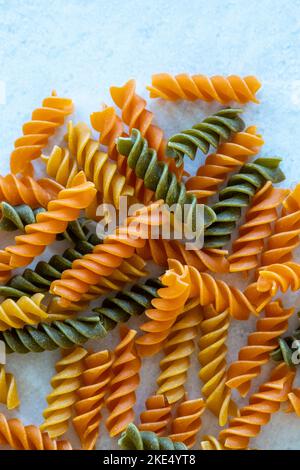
pixel 187 423
pixel 8 389
pixel 26 311
pixel 157 415
pixel 16 217
pixel 133 439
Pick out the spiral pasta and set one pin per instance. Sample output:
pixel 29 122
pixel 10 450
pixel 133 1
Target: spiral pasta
pixel 157 415
pixel 59 212
pixel 262 405
pixel 95 378
pixel 287 347
pixel 177 351
pixel 260 344
pixel 200 87
pixel 17 436
pixel 36 133
pixel 133 439
pixel 211 443
pixel 285 237
pixel 26 311
pixel 25 190
pixel 124 382
pixel 47 337
pixel 294 401
pixel 158 178
pixel 5 269
pixel 257 228
pixel 16 217
pixel 95 267
pixel 237 194
pixel 279 277
pixel 187 423
pixel 8 389
pixel 61 400
pixel 212 358
pixel 230 156
pixel 207 133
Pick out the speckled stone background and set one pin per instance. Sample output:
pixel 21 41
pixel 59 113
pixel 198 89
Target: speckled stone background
pixel 81 47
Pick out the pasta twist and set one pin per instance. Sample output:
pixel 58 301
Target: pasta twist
pixel 230 156
pixel 133 439
pixel 201 87
pixel 177 351
pixel 260 344
pixel 260 409
pixel 285 237
pixel 25 190
pixel 157 415
pixel 157 176
pixel 36 133
pixel 212 358
pixel 47 337
pixel 5 269
pixel 294 401
pixel 95 380
pixel 207 133
pixel 211 443
pixel 135 115
pixel 279 277
pixel 59 212
pixel 286 347
pixel 237 194
pixel 16 217
pixel 257 228
pixel 124 382
pixel 26 311
pixel 8 389
pixel 63 396
pixel 187 423
pixel 93 268
pixel 17 436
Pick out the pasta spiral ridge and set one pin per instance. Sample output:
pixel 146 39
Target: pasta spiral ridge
pixel 17 436
pixel 44 122
pixel 237 194
pixel 187 423
pixel 257 228
pixel 157 415
pixel 133 439
pixel 157 176
pixel 201 87
pixel 17 217
pixel 211 443
pixel 106 258
pixel 294 401
pixel 207 133
pixel 230 156
pixel 177 351
pixel 60 211
pixel 48 337
pixel 124 382
pixel 287 346
pixel 63 396
pixel 26 311
pixel 212 358
pixel 95 378
pixel 279 277
pixel 286 232
pixel 8 389
pixel 260 409
pixel 260 344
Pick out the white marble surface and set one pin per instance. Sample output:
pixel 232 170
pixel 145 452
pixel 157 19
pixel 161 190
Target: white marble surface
pixel 81 47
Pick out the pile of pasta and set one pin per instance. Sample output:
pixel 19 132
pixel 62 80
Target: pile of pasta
pixel 75 299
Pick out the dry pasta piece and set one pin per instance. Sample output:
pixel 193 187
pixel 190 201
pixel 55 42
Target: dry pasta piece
pixel 135 115
pixel 8 389
pixel 63 396
pixel 201 87
pixel 279 277
pixel 212 358
pixel 17 436
pixel 187 423
pixel 177 351
pixel 134 439
pixel 229 156
pixel 95 380
pixel 246 249
pixel 211 443
pixel 157 415
pixel 261 343
pixel 294 402
pixel 262 405
pixel 65 208
pixel 106 257
pixel 5 268
pixel 124 383
pixel 44 122
pixel 285 237
pixel 26 311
